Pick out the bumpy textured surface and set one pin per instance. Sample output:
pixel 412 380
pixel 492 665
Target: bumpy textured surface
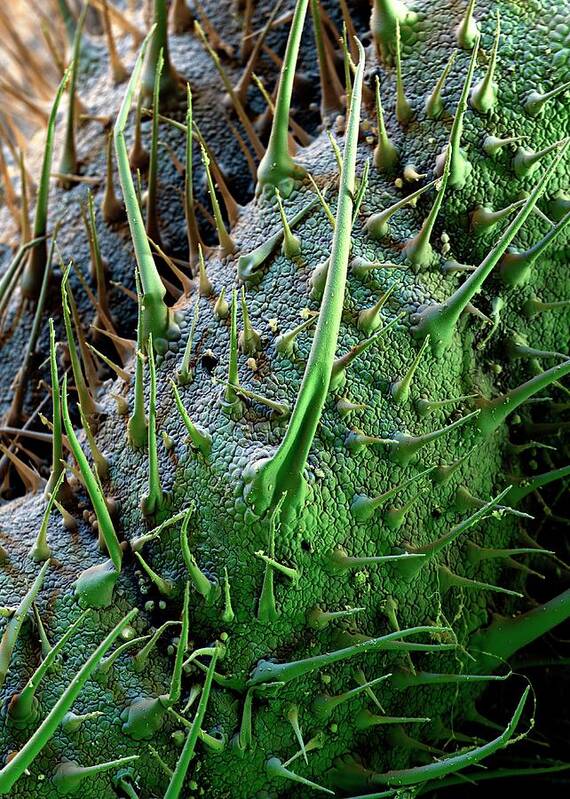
pixel 404 723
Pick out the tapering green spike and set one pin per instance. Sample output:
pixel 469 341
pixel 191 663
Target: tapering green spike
pixel 559 205
pixel 191 222
pixel 377 225
pixel 529 484
pixel 99 460
pixel 492 144
pixel 97 264
pixel 228 614
pixel 515 266
pixel 26 755
pixel 32 276
pixel 419 775
pixel 394 518
pixel 164 587
pixel 434 104
pixel 356 440
pixel 338 560
pixel 139 542
pixel 282 474
pixel 363 507
pixel 141 658
pixel 275 768
pixel 42 635
pixel 344 406
pixel 41 549
pixel 319 279
pixel 484 93
pixel 291 247
pixel 325 704
pixel 534 306
pixel 535 101
pixel 404 111
pixel 484 219
pixel 154 499
pixel 176 783
pixel 467 32
pixel 425 407
pixel 365 720
pixel 267 608
pixel 440 319
pixel 152 227
pixel 409 569
pixel 505 636
pixel 292 574
pixel 137 426
pixel 477 554
pixel 105 524
pixel 203 585
pixel 321 196
pixel 360 267
pixel 284 343
pixel 418 249
pixel 243 740
pixel 404 447
pixel 221 307
pixel 494 412
pixel 341 364
pixel 215 744
pixel 199 437
pixel 57 468
pixel 449 580
pixel 185 374
pixel 292 717
pixel 72 722
pixel 12 629
pixel 68 161
pixel 384 20
pixel 464 501
pixel 249 265
pixel 105 666
pixel 231 403
pixel 86 401
pixel 249 340
pixel 176 680
pixel 205 286
pixel 527 161
pixel 69 775
pixel 227 244
pixel 279 408
pixel 400 389
pixel 270 672
pixel 156 317
pixel 459 166
pixel 277 169
pixel 403 679
pixel 158 37
pixel 386 154
pixel 318 619
pixel 518 347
